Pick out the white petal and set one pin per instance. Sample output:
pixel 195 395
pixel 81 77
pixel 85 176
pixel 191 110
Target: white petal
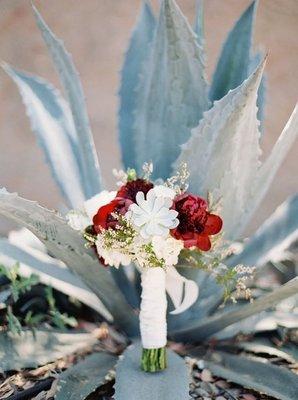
pixel 101 199
pixel 158 204
pixel 140 197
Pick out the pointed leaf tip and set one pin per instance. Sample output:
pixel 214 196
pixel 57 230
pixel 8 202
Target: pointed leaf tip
pixel 233 64
pixel 172 94
pixel 71 83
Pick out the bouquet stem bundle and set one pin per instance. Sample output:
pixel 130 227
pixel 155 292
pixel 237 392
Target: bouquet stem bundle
pixel 153 324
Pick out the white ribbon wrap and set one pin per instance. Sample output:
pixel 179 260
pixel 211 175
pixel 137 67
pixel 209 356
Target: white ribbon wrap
pixel 176 286
pixel 153 314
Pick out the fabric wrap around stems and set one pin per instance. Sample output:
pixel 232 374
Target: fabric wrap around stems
pixel 153 322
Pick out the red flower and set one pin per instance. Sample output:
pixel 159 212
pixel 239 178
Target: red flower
pixel 105 219
pixel 196 224
pixel 131 188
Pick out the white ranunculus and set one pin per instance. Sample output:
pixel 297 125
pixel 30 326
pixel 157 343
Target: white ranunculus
pixel 168 249
pixel 92 205
pixel 164 191
pixel 152 216
pixel 80 219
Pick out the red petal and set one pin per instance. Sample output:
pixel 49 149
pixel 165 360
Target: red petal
pixel 100 219
pixel 213 225
pixel 203 242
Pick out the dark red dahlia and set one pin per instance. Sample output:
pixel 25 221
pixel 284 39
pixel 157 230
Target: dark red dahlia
pixel 196 224
pixel 131 188
pixel 105 217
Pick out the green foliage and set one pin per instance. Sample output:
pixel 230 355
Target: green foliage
pixel 18 285
pixel 13 323
pixel 58 319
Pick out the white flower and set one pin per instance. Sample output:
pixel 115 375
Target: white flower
pixel 152 216
pixel 113 257
pixel 80 219
pixel 168 249
pixel 164 191
pixel 92 205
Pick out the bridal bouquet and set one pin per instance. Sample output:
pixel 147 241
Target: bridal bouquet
pixel 125 249
pixel 150 225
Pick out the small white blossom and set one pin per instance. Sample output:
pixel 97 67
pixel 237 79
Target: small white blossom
pixel 112 256
pixel 152 216
pixel 168 249
pixel 121 176
pixel 164 191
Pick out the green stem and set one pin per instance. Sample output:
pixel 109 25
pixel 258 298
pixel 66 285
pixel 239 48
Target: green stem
pixel 154 360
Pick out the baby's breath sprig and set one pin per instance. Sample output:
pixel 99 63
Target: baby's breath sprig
pixel 214 205
pixel 233 280
pixel 179 182
pixel 150 259
pixel 147 170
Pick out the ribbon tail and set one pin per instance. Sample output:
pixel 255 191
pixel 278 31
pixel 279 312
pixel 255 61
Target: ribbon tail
pixel 176 285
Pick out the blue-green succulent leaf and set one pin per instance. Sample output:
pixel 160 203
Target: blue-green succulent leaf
pixel 82 379
pixel 223 152
pixel 68 246
pixel 257 375
pixel 262 89
pixel 170 384
pixel 276 234
pixel 135 56
pixel 172 94
pixel 50 272
pixel 199 22
pixel 52 123
pixel 126 286
pixel 202 329
pixel 267 169
pixel 32 349
pixel 233 64
pixel 72 85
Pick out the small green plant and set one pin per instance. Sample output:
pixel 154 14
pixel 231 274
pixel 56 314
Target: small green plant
pixel 18 286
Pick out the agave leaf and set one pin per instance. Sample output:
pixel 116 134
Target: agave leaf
pixel 170 384
pixel 270 166
pixel 222 153
pixel 67 245
pixel 233 64
pixel 257 58
pixel 51 272
pixel 259 376
pixel 200 330
pixel 29 350
pixel 172 92
pixel 52 123
pixel 265 346
pixel 126 286
pixel 199 22
pixel 77 382
pixel 135 56
pixel 272 238
pixel 71 83
pixel 264 322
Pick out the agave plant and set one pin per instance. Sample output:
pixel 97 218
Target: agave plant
pixel 168 114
